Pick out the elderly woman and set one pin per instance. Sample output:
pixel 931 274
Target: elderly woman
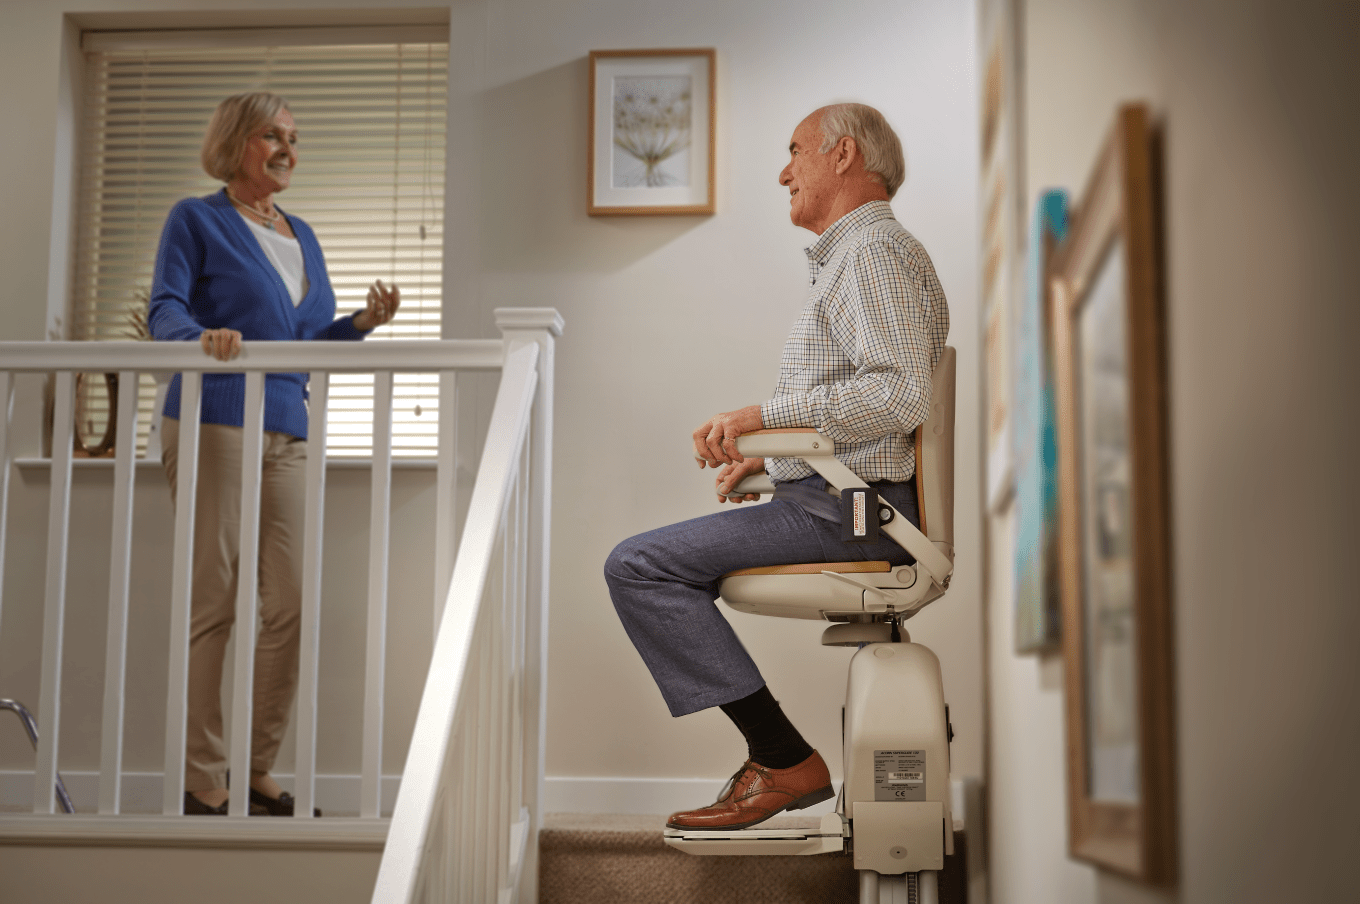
pixel 231 267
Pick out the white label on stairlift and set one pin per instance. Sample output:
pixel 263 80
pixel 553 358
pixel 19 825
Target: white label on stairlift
pixel 899 775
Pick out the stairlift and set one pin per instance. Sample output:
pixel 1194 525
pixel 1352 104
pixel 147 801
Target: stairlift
pixel 894 807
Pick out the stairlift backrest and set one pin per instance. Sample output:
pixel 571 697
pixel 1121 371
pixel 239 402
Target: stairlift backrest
pixel 935 456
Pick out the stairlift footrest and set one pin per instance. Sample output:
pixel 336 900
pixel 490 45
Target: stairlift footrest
pixel 827 838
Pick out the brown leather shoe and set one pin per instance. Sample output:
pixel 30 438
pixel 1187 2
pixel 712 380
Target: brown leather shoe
pixel 756 793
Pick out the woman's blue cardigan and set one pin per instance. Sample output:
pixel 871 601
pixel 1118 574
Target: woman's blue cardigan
pixel 212 274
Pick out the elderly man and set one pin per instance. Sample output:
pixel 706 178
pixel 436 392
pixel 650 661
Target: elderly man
pixel 857 367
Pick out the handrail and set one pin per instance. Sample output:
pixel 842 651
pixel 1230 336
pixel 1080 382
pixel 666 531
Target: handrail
pixel 400 356
pixel 415 807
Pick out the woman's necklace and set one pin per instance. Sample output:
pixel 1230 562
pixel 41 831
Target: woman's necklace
pixel 269 218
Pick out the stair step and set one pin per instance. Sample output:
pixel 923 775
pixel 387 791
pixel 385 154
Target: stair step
pixel 622 859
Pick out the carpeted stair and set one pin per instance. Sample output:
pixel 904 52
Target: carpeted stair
pixel 598 859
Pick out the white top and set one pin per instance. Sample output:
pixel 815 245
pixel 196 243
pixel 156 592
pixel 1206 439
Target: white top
pixel 286 256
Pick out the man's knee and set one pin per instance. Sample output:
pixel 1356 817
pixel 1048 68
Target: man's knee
pixel 622 564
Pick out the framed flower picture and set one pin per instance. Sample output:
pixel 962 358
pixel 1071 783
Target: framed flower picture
pixel 651 132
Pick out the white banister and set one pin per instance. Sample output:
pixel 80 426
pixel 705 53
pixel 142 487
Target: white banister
pixel 120 575
pixel 54 612
pixel 6 422
pixel 446 492
pixel 247 592
pixel 309 656
pixel 181 591
pixel 375 657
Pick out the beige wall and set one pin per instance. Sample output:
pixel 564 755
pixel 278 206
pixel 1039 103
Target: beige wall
pixel 1261 286
pixel 668 319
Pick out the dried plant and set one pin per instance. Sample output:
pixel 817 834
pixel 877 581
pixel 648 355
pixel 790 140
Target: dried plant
pixel 135 315
pixel 652 123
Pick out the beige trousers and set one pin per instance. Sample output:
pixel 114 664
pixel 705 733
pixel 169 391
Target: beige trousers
pixel 217 539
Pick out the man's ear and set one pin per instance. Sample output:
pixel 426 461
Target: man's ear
pixel 843 154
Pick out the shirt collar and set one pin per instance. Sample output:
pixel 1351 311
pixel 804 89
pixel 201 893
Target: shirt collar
pixel 821 250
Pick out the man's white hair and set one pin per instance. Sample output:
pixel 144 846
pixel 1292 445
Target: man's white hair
pixel 876 140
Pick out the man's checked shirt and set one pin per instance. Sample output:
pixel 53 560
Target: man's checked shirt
pixel 857 364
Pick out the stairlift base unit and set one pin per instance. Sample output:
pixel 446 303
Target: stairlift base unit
pixel 897 739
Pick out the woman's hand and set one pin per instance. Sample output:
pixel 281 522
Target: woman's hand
pixel 221 344
pixel 731 475
pixel 383 302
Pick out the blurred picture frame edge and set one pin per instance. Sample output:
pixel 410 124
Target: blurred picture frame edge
pixel 709 207
pixel 1121 201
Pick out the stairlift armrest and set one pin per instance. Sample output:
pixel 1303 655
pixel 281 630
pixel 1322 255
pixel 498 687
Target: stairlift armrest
pixel 791 442
pixel 756 483
pixel 799 442
pixel 819 453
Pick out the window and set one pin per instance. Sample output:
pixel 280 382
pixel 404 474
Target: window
pixel 370 106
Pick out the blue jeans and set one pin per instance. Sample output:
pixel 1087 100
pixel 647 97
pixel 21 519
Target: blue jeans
pixel 664 584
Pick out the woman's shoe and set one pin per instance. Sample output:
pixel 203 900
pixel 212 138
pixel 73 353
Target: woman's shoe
pixel 195 807
pixel 275 806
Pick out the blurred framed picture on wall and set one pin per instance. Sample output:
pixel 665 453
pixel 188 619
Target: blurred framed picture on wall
pixel 651 132
pixel 1114 555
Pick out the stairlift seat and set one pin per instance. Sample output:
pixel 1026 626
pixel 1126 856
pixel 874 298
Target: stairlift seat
pixel 816 568
pixel 860 591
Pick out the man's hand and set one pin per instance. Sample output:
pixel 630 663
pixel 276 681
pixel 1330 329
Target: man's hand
pixel 221 344
pixel 731 475
pixel 715 442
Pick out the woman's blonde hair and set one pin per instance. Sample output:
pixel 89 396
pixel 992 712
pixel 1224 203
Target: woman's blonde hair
pixel 232 123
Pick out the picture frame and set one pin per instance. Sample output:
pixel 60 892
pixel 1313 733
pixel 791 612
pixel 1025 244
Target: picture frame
pixel 1113 515
pixel 652 132
pixel 1034 441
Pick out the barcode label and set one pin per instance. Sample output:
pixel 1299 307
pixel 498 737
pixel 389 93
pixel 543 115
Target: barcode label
pixel 900 775
pixel 905 778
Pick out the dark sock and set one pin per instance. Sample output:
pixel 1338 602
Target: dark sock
pixel 771 739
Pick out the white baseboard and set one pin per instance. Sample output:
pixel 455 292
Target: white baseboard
pixel 141 792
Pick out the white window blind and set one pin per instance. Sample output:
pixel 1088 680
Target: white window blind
pixel 370 110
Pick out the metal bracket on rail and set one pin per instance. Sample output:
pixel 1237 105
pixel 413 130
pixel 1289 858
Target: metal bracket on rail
pixel 31 726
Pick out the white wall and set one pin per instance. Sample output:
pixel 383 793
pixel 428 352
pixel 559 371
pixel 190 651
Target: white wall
pixel 668 319
pixel 1261 193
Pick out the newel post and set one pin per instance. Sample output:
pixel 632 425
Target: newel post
pixel 543 326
